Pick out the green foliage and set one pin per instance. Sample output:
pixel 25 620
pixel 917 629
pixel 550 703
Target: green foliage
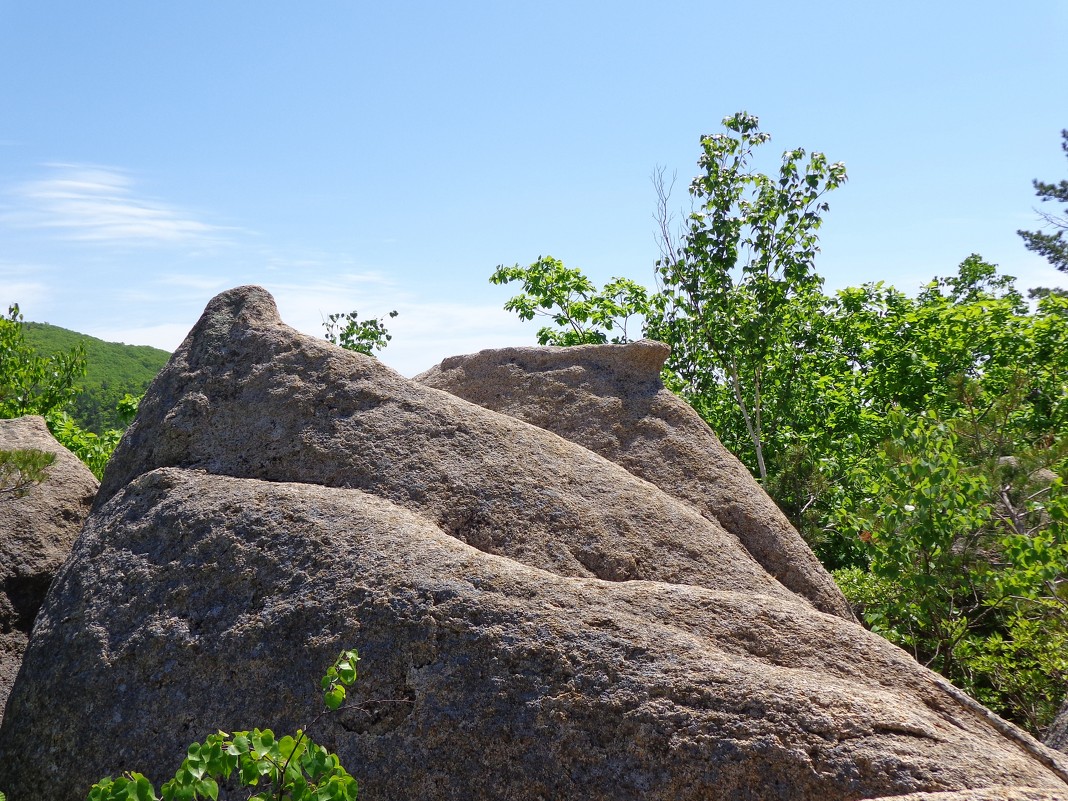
pixel 29 382
pixel 21 469
pixel 292 768
pixel 93 449
pixel 582 314
pixel 925 520
pixel 913 440
pixel 967 349
pixel 126 409
pixel 113 371
pixel 739 294
pixel 1052 246
pixel 969 579
pixel 340 675
pixel 345 331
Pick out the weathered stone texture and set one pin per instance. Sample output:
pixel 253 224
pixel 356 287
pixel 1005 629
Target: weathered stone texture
pixel 37 530
pixel 535 622
pixel 249 397
pixel 985 794
pixel 610 399
pixel 1057 736
pixel 481 677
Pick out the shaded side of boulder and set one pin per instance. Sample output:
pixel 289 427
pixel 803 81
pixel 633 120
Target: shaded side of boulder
pixel 1057 736
pixel 247 396
pixel 610 399
pixel 37 529
pixel 195 602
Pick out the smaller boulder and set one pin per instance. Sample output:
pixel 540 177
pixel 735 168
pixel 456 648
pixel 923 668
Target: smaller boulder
pixel 610 399
pixel 37 530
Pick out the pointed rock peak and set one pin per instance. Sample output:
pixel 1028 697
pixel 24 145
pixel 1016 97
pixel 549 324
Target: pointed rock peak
pixel 249 397
pixel 243 307
pixel 250 302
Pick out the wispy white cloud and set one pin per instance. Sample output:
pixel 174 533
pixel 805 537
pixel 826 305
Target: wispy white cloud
pixel 101 204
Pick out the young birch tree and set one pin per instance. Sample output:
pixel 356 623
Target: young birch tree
pixel 739 293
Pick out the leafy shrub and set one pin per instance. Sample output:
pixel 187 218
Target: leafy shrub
pixel 93 449
pixel 345 331
pixel 973 583
pixel 291 767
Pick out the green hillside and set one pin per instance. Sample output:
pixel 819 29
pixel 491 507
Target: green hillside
pixel 113 370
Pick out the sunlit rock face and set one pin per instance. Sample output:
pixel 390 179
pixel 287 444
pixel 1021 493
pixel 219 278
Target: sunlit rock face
pixel 610 399
pixel 534 620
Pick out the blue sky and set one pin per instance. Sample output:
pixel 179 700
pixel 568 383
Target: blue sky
pixel 349 155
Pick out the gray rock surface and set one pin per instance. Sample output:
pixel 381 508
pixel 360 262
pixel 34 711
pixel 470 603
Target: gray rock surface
pixel 36 533
pixel 195 602
pixel 247 396
pixel 1057 736
pixel 610 399
pixel 278 500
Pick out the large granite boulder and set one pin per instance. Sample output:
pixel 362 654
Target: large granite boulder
pixel 195 602
pixel 610 399
pixel 247 396
pixel 278 500
pixel 37 529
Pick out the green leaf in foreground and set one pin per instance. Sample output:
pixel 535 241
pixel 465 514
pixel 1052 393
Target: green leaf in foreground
pixel 291 767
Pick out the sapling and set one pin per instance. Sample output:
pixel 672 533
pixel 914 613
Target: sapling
pixel 292 768
pixel 20 470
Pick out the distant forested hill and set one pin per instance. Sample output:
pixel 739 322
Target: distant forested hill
pixel 113 369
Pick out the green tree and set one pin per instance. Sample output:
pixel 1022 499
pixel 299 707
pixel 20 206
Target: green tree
pixel 583 315
pixel 30 383
pixel 960 349
pixel 968 578
pixel 738 294
pixel 45 385
pixel 1051 245
pixel 348 332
